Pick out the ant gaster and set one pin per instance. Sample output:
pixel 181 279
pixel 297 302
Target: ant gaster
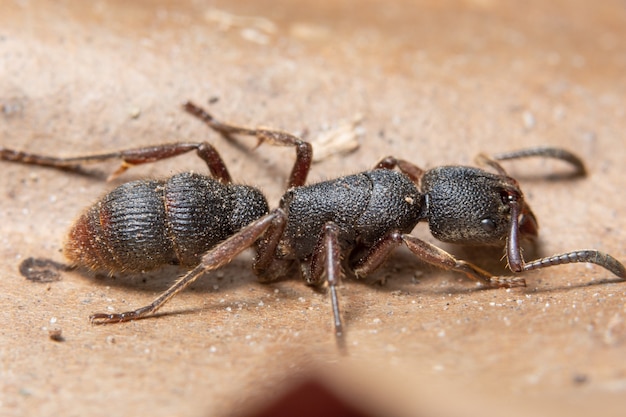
pixel 354 221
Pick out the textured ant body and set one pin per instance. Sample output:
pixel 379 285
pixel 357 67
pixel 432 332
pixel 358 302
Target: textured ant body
pixel 350 222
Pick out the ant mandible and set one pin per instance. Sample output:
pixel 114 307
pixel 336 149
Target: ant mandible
pixel 354 221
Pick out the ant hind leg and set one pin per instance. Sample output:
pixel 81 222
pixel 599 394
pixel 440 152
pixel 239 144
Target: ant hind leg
pixel 129 157
pixel 215 258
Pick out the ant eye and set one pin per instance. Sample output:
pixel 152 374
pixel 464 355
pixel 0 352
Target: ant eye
pixel 488 225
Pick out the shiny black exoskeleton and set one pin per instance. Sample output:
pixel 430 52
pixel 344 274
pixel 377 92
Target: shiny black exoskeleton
pixel 364 207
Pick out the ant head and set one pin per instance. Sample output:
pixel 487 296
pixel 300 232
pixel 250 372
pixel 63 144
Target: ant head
pixel 471 206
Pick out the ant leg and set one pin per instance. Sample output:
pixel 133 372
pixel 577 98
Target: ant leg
pixel 438 257
pixel 432 255
pixel 332 256
pixel 267 267
pixel 542 152
pixel 304 151
pixel 129 158
pixel 326 260
pixel 586 255
pixel 215 258
pixel 407 168
pixel 377 255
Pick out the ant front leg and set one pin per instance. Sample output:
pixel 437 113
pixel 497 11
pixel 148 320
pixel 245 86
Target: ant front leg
pixel 304 151
pixel 129 158
pixel 215 258
pixel 439 257
pixel 432 255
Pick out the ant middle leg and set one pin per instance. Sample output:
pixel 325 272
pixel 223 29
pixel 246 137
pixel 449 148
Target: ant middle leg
pixel 304 151
pixel 326 262
pixel 332 261
pixel 129 157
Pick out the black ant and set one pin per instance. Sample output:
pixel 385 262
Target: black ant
pixel 354 221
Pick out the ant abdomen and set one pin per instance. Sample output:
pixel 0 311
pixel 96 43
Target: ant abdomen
pixel 145 224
